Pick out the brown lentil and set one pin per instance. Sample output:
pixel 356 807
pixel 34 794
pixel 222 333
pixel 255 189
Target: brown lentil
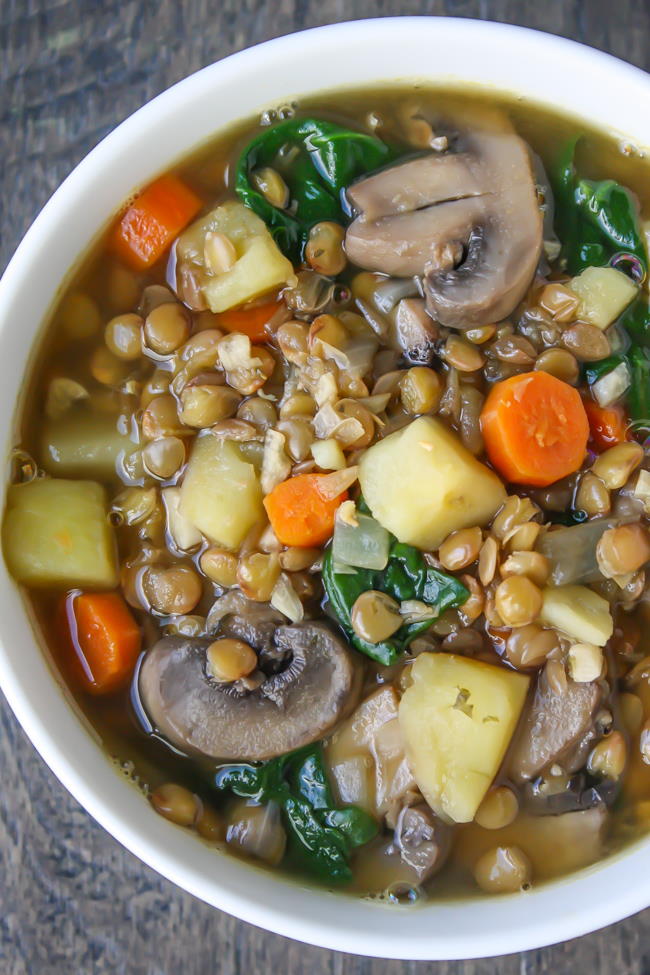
pixel 172 590
pixel 229 660
pixel 487 561
pixel 175 803
pixel 609 756
pixel 460 549
pixel 559 363
pixel 375 616
pixel 518 601
pixel 164 457
pixel 220 566
pixel 106 368
pixel 498 809
pixel 534 565
pixel 592 496
pixel 529 646
pixel 257 575
pixel 587 342
pixel 166 328
pixel 209 824
pixel 420 390
pixel 324 250
pixel 123 336
pixel 623 549
pixel 461 355
pixel 615 465
pixel 203 406
pixel 505 869
pixel 272 187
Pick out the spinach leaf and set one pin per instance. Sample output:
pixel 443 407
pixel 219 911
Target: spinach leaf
pixel 317 160
pixel 595 219
pixel 407 576
pixel 321 836
pixel 638 395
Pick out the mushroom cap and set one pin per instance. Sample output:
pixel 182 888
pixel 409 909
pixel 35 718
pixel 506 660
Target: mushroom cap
pixel 288 710
pixel 552 726
pixel 468 221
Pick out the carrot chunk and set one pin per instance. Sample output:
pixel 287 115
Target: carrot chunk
pixel 298 513
pixel 535 429
pixel 105 638
pixel 250 321
pixel 608 425
pixel 153 220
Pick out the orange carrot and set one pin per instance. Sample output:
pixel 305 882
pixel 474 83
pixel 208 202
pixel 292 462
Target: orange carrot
pixel 608 425
pixel 298 513
pixel 250 321
pixel 105 638
pixel 535 428
pixel 153 220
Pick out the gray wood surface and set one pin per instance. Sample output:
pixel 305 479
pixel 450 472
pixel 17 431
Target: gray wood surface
pixel 71 900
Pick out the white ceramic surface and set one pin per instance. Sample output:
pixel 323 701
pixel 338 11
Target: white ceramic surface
pixel 537 66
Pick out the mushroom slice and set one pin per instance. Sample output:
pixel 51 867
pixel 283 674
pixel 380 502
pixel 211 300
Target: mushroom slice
pixel 423 840
pixel 469 222
pixel 553 725
pixel 292 708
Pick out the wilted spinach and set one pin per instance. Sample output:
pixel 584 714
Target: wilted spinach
pixel 321 835
pixel 595 219
pixel 407 576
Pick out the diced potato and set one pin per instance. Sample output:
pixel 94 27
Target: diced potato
pixel 83 444
pixel 221 494
pixel 457 719
pixel 57 534
pixel 328 454
pixel 260 266
pixel 421 484
pixel 604 294
pixel 183 532
pixel 366 755
pixel 579 612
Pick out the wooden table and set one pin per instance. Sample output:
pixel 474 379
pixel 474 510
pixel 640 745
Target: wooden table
pixel 72 900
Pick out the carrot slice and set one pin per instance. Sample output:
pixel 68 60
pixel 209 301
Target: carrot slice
pixel 250 321
pixel 298 513
pixel 608 425
pixel 535 428
pixel 105 638
pixel 153 220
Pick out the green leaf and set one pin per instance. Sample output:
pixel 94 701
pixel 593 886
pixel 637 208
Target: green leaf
pixel 406 576
pixel 321 159
pixel 356 824
pixel 594 219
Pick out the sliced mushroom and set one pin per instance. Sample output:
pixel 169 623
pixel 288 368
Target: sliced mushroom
pixel 542 799
pixel 468 221
pixel 552 726
pixel 423 840
pixel 318 685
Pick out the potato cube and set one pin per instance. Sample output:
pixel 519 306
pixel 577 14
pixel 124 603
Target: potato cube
pixel 579 612
pixel 604 294
pixel 260 266
pixel 457 719
pixel 221 494
pixel 421 484
pixel 56 534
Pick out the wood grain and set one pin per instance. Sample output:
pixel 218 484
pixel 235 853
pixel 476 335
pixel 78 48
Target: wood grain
pixel 71 899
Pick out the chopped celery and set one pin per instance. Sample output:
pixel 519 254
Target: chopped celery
pixel 83 444
pixel 56 534
pixel 365 545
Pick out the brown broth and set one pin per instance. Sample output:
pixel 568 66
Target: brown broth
pixel 113 719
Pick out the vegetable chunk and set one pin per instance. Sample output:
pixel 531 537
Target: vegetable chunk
pixel 106 640
pixel 421 484
pixel 604 294
pixel 259 266
pixel 152 221
pixel 56 534
pixel 457 719
pixel 535 428
pixel 221 494
pixel 579 612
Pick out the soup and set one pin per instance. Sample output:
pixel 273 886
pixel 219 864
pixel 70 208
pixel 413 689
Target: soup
pixel 330 498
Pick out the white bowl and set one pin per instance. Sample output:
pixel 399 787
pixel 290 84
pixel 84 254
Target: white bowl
pixel 537 66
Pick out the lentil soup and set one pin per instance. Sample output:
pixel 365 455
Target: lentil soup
pixel 330 495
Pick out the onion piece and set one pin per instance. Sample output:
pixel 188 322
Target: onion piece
pixel 62 393
pixel 365 546
pixel 331 485
pixel 571 551
pixel 610 387
pixel 276 466
pixel 285 599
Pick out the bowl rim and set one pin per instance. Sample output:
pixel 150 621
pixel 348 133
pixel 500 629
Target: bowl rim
pixel 552 913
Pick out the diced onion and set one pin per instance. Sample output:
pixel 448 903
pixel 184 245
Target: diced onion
pixel 610 387
pixel 365 546
pixel 285 599
pixel 572 551
pixel 331 485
